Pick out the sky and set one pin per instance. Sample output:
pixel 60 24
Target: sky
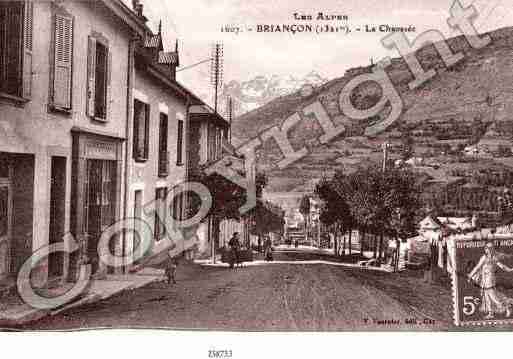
pixel 197 24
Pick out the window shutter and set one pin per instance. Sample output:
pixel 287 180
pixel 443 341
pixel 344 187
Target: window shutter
pixel 163 133
pixel 3 44
pixel 28 29
pixel 147 132
pixel 63 61
pixel 12 80
pixel 176 205
pixel 91 76
pixel 109 98
pixel 181 211
pixel 179 143
pixel 135 136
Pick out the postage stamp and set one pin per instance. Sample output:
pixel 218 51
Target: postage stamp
pixel 483 281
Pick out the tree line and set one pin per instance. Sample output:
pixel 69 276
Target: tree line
pixel 372 201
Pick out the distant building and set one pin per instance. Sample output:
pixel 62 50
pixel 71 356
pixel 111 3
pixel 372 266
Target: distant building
pixel 156 147
pixel 460 199
pixel 207 142
pixel 415 161
pixel 432 227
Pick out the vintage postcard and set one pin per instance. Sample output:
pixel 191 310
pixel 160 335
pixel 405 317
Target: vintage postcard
pixel 268 166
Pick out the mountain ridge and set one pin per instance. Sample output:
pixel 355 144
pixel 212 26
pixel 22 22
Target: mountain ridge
pixel 256 92
pixel 460 104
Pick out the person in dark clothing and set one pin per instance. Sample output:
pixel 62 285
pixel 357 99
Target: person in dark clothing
pixel 171 266
pixel 268 249
pixel 234 244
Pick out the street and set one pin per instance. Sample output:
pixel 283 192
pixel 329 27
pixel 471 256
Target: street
pixel 298 297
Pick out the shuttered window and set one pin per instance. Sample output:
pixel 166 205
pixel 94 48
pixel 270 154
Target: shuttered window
pixel 210 142
pixel 4 213
pixel 182 208
pixel 16 41
pixel 138 213
pixel 163 155
pixel 63 59
pixel 91 75
pixel 163 133
pixel 214 135
pixel 219 141
pixel 108 201
pixel 141 131
pixel 179 144
pixel 100 100
pixel 28 43
pixel 177 204
pixel 4 167
pixel 161 213
pixel 99 64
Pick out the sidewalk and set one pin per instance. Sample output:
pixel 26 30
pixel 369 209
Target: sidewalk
pixel 308 255
pixel 309 249
pixel 14 312
pixel 316 250
pixel 208 263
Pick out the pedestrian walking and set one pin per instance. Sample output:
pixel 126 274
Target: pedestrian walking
pixel 268 249
pixel 234 244
pixel 171 266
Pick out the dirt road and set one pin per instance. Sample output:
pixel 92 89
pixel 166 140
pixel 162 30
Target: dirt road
pixel 271 297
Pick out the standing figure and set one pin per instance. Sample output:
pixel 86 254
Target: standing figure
pixel 171 266
pixel 268 249
pixel 234 244
pixel 484 273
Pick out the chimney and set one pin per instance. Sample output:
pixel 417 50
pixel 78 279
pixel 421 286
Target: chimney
pixel 173 67
pixel 138 8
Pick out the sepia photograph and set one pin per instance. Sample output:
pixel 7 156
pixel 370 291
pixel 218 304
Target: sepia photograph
pixel 256 166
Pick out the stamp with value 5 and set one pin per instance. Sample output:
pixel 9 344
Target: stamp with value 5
pixel 483 281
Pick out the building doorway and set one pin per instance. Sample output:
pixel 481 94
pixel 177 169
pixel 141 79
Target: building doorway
pixel 100 205
pixel 138 214
pixel 5 218
pixel 57 213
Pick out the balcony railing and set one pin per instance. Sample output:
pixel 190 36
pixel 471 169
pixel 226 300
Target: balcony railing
pixel 163 164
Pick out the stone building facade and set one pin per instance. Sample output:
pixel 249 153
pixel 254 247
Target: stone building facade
pixel 63 112
pixel 94 128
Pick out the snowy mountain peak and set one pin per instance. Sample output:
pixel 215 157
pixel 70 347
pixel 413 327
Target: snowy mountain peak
pixel 251 94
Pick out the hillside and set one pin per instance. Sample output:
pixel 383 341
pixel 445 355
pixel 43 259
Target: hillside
pixel 469 104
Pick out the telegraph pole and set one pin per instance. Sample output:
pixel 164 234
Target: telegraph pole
pixel 385 159
pixel 216 70
pixel 216 78
pixel 230 119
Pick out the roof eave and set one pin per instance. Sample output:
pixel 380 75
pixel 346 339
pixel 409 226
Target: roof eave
pixel 173 84
pixel 128 16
